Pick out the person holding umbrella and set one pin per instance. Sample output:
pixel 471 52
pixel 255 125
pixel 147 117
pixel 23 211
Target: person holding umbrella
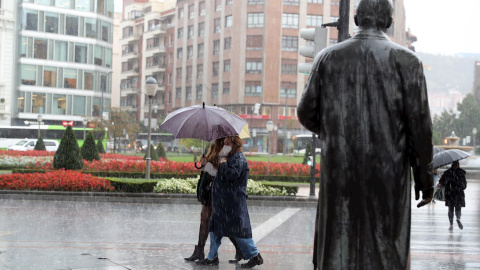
pixel 454 182
pixel 229 207
pixel 210 164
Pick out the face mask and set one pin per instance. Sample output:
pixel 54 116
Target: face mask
pixel 225 150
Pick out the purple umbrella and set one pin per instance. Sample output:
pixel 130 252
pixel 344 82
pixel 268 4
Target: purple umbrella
pixel 203 122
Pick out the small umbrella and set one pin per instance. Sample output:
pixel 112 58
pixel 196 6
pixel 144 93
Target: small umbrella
pixel 203 122
pixel 437 149
pixel 244 133
pixel 448 156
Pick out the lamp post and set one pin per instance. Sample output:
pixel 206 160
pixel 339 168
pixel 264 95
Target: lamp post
pixel 474 131
pixel 269 127
pixel 39 120
pixel 151 89
pixel 85 121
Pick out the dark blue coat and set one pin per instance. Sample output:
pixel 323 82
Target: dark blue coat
pixel 229 199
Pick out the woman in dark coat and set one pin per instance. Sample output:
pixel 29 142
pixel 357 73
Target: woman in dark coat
pixel 229 207
pixel 454 182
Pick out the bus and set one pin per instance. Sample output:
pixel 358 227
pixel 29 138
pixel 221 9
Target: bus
pixel 300 143
pixel 167 139
pixel 10 135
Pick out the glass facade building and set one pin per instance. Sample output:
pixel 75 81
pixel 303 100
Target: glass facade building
pixel 64 64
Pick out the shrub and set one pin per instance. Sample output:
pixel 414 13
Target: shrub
pixel 40 145
pixel 89 149
pixel 161 151
pixel 153 153
pixel 68 155
pixel 187 186
pixel 100 148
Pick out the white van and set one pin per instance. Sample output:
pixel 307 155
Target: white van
pixel 29 144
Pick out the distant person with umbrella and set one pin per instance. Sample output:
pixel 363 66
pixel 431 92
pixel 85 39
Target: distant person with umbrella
pixel 454 182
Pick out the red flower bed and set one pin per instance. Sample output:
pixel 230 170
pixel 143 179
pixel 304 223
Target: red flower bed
pixel 119 156
pixel 59 180
pixel 29 153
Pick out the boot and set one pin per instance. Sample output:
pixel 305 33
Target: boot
pixel 206 261
pixel 238 257
pixel 198 254
pixel 460 225
pixel 257 260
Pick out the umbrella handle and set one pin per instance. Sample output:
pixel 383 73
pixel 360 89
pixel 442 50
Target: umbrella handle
pixel 201 167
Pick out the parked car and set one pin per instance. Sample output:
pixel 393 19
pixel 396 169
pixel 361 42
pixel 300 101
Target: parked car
pixel 29 144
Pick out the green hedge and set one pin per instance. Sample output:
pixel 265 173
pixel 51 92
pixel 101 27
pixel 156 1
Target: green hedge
pixel 133 186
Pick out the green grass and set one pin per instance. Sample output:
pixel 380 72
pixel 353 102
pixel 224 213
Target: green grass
pixel 277 158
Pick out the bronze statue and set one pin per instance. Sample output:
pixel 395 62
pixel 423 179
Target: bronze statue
pixel 366 98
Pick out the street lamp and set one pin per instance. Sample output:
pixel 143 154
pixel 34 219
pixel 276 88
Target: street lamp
pixel 269 127
pixel 151 89
pixel 474 131
pixel 85 121
pixel 39 120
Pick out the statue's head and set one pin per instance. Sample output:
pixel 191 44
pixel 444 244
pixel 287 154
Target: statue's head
pixel 374 14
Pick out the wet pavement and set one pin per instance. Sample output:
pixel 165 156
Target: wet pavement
pixel 100 235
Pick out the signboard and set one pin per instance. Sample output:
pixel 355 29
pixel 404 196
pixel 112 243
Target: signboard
pixel 91 125
pixel 67 123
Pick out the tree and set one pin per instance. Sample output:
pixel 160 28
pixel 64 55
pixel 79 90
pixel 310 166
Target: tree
pixel 68 154
pixel 89 149
pixel 121 123
pixel 153 154
pixel 189 143
pixel 308 153
pixel 161 151
pixel 40 145
pixel 100 148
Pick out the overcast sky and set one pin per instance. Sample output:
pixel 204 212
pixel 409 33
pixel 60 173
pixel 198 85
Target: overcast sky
pixel 444 26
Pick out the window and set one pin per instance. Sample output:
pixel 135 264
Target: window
pixel 190 32
pixel 315 1
pixel 201 9
pixel 188 93
pixel 40 48
pixel 333 41
pixel 60 51
pixel 201 29
pixel 28 74
pixel 254 43
pixel 228 2
pixel 226 88
pixel 228 21
pixel 289 43
pixel 91 28
pixel 216 47
pixel 98 59
pixel 189 73
pixel 291 2
pixel 151 43
pixel 200 50
pixel 256 2
pixel 215 69
pixel 31 20
pixel 81 53
pixel 63 3
pixel 180 33
pixel 289 66
pixel 199 92
pixel 20 101
pixel 314 20
pixel 180 53
pixel 191 11
pixel 79 103
pixel 69 78
pixel 180 13
pixel 216 25
pixel 100 7
pixel 289 20
pixel 50 76
pixel 255 20
pixel 253 88
pixel 127 32
pixel 199 71
pixel 71 25
pixel 218 5
pixel 170 79
pixel 178 93
pixel 38 102
pixel 335 2
pixel 152 24
pixel 150 61
pixel 288 88
pixel 227 44
pixel 189 52
pixel 88 80
pixel 59 104
pixel 227 66
pixel 51 22
pixel 253 65
pixel 215 90
pixel 105 31
pixel 179 73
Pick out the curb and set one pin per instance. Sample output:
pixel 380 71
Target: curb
pixel 156 198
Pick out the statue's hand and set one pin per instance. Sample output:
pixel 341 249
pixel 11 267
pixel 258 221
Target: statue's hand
pixel 427 196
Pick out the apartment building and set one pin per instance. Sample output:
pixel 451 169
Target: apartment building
pixel 144 54
pixel 236 54
pixel 7 60
pixel 64 60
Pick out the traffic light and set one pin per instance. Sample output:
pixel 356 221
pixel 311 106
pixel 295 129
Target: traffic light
pixel 318 36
